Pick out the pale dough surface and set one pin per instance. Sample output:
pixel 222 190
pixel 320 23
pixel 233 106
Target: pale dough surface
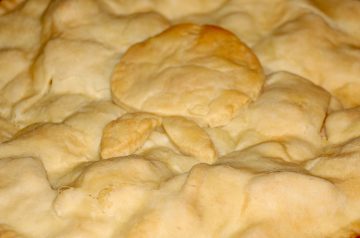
pixel 165 118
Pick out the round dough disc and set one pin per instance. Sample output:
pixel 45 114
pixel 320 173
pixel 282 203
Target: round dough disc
pixel 201 72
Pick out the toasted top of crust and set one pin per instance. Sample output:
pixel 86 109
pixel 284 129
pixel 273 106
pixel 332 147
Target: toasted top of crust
pixel 188 70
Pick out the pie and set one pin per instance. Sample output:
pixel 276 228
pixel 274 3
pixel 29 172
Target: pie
pixel 179 119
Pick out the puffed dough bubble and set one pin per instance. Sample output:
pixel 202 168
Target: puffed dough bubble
pixel 200 72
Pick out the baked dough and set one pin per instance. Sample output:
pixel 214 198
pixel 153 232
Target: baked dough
pixel 149 118
pixel 295 110
pixel 63 146
pixel 342 126
pixel 328 57
pixel 250 20
pixel 170 9
pixel 83 20
pixel 155 76
pixel 190 138
pixel 127 134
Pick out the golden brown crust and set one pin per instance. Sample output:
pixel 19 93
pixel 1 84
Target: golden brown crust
pixel 126 134
pixel 155 76
pixel 190 138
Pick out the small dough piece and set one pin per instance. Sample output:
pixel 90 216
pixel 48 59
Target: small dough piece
pixel 190 138
pixel 202 72
pixel 125 135
pixel 342 126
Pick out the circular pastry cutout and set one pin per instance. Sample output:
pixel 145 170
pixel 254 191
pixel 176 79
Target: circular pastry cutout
pixel 201 72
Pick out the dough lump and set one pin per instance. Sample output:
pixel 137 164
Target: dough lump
pixel 200 72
